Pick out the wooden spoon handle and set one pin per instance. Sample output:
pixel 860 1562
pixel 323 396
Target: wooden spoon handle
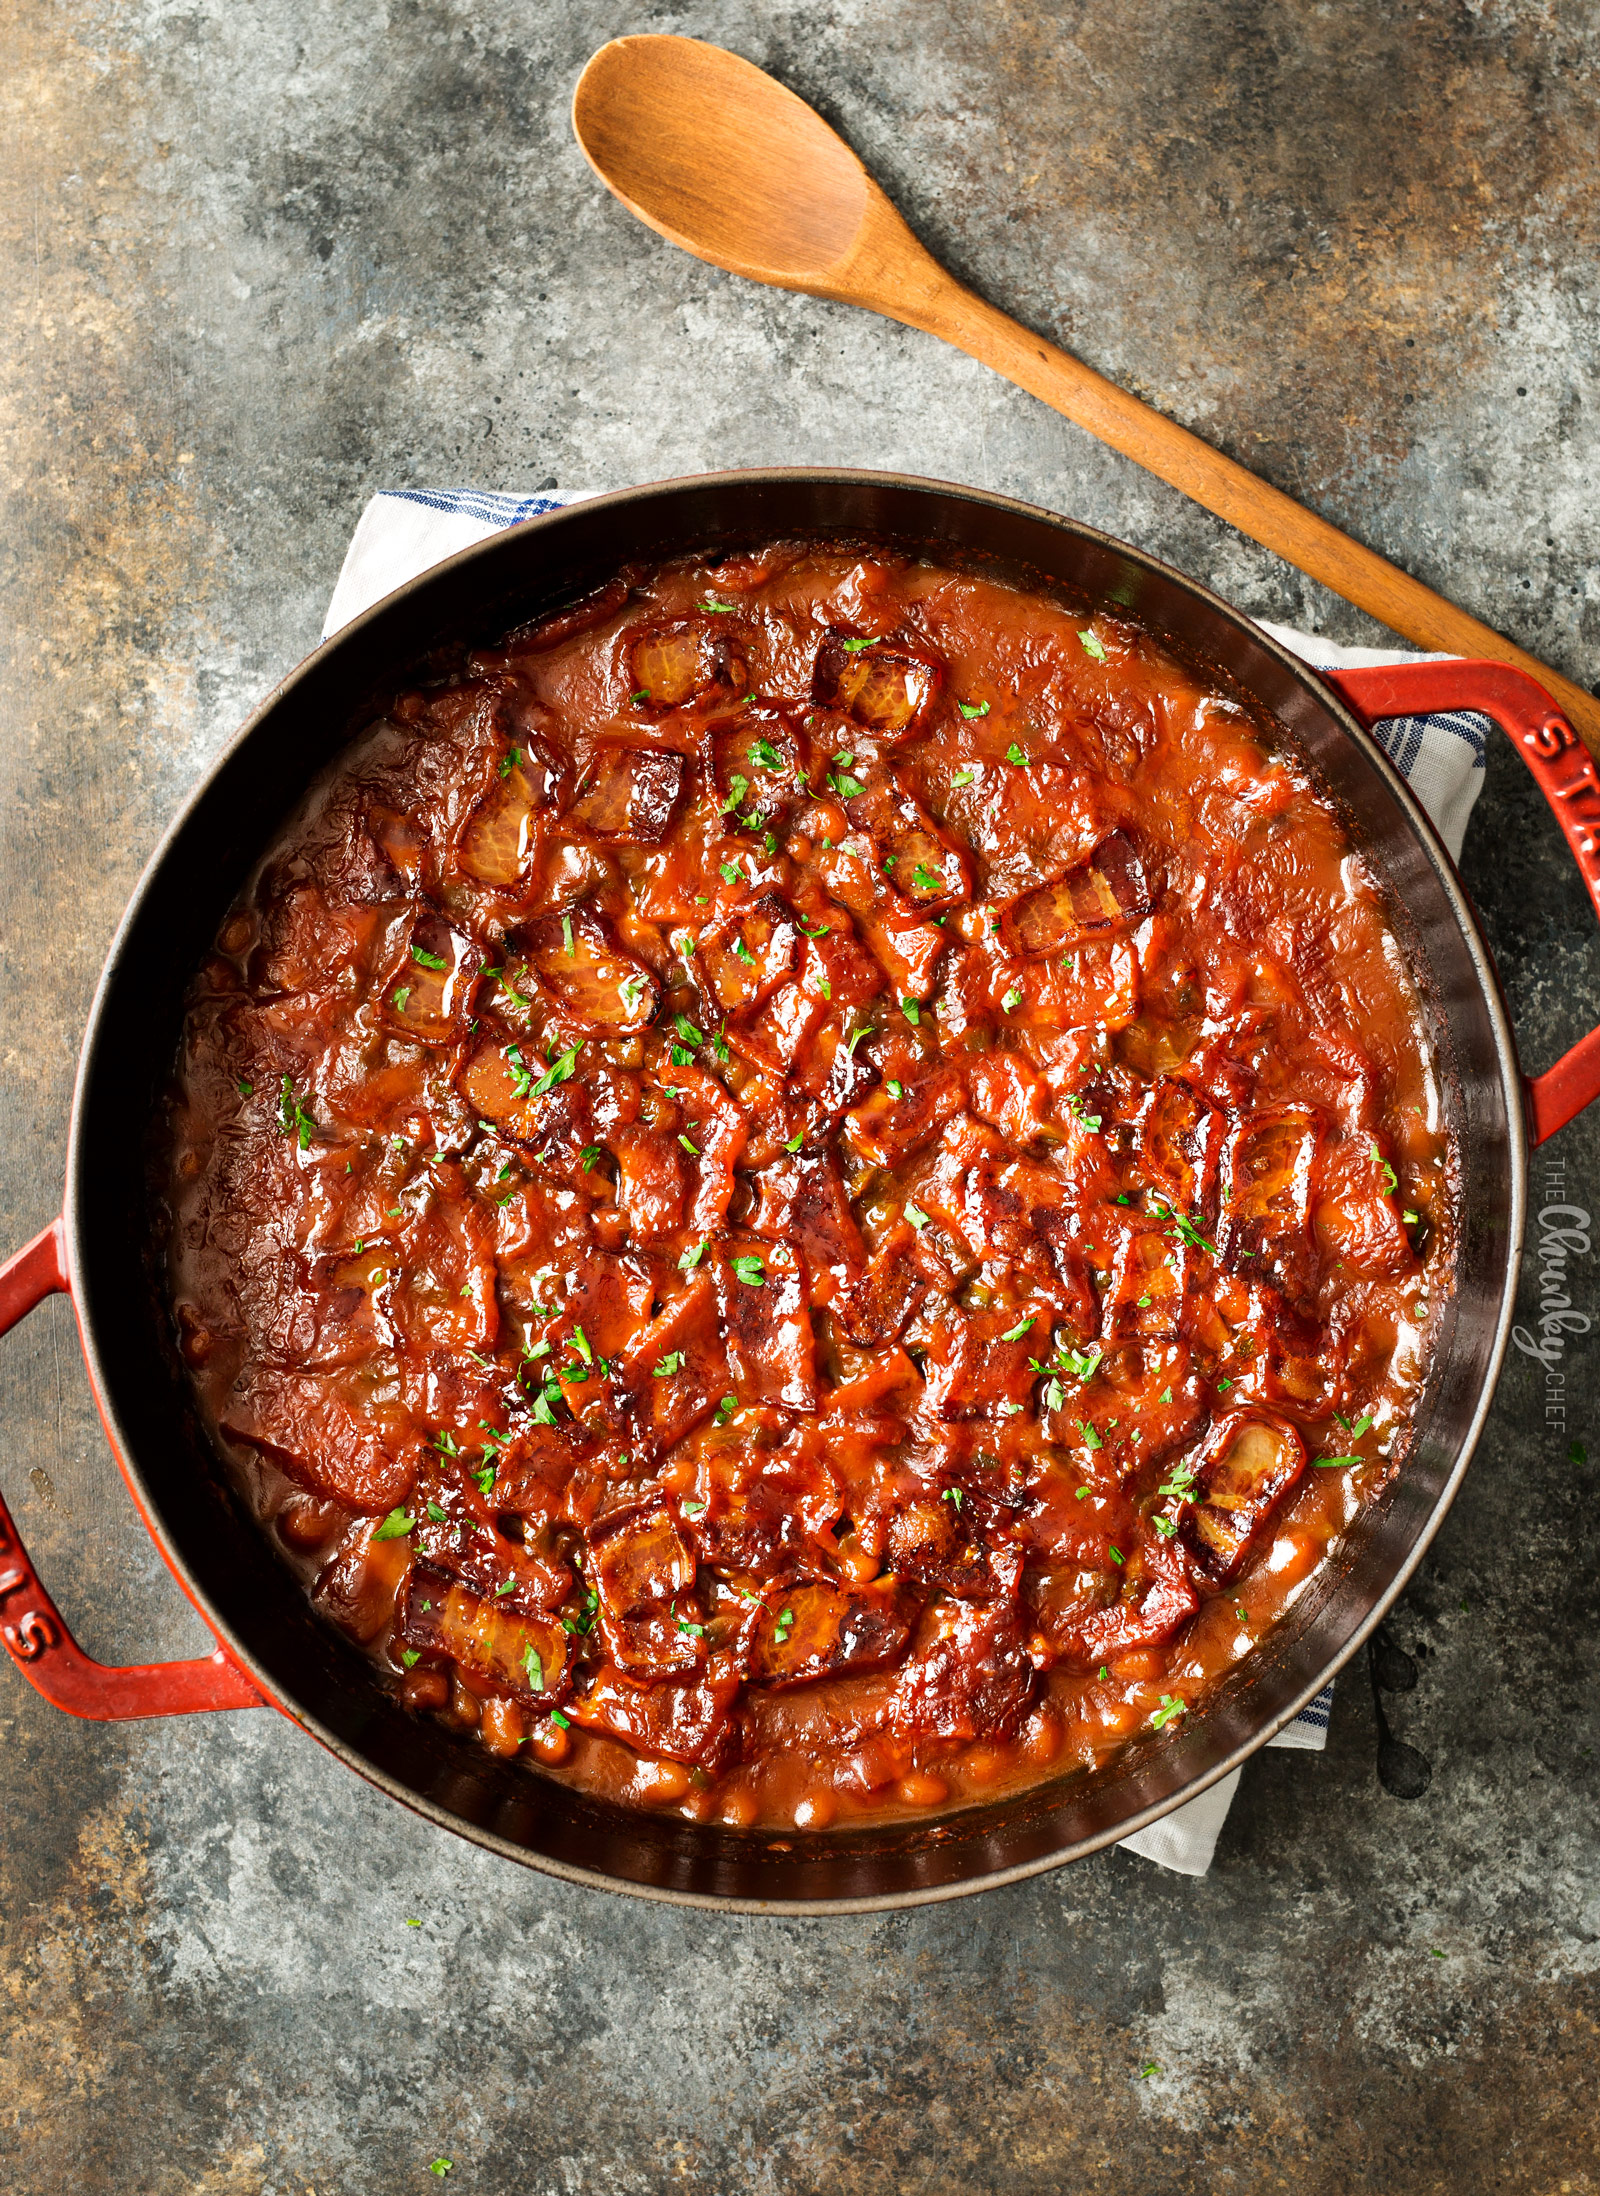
pixel 937 303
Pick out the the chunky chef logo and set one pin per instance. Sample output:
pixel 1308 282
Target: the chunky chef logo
pixel 1563 1236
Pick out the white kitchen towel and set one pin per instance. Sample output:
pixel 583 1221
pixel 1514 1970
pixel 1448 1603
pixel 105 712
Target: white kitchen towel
pixel 405 530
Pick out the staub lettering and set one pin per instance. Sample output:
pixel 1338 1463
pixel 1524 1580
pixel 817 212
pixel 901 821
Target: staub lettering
pixel 1566 771
pixel 33 1632
pixel 32 1637
pixel 1551 737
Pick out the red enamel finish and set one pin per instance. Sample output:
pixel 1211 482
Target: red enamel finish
pixel 35 1635
pixel 1565 773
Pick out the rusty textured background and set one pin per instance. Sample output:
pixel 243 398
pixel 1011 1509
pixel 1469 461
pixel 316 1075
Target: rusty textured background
pixel 260 260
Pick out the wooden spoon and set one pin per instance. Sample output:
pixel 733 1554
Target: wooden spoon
pixel 713 154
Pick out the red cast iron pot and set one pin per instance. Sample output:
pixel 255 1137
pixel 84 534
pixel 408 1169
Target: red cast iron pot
pixel 272 1649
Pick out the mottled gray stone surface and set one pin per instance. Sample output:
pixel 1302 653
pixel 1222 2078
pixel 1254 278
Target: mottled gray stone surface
pixel 260 260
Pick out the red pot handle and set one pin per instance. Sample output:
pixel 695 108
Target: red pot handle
pixel 1565 774
pixel 36 1639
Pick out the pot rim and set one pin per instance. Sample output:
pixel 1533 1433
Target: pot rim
pixel 77 1220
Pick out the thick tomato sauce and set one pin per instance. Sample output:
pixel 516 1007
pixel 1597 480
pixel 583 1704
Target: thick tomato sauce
pixel 809 1190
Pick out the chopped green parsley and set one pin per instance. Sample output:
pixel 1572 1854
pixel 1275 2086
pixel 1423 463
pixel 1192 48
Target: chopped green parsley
pixel 292 1116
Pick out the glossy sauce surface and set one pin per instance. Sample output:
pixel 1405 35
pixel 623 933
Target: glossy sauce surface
pixel 810 1190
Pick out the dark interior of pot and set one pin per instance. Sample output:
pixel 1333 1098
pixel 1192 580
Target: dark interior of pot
pixel 254 1601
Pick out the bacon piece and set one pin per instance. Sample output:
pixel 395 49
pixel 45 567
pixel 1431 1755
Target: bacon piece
pixel 928 1541
pixel 833 968
pixel 427 982
pixel 775 1037
pixel 652 1182
pixel 803 1202
pixel 1179 1143
pixel 1268 1177
pixel 656 1643
pixel 1286 1356
pixel 969 1676
pixel 1356 1215
pixel 576 956
pixel 535 1469
pixel 1056 1228
pixel 718 1128
pixel 1011 1095
pixel 640 1557
pixel 766 1506
pixel 888 686
pixel 500 837
pixel 747 955
pixel 329 1434
pixel 496 1079
pixel 1150 1285
pixel 766 1322
pixel 1061 1597
pixel 1246 1468
pixel 565 1132
pixel 677 1371
pixel 821 1630
pixel 875 1311
pixel 972 1371
pixel 1103 896
pixel 756 766
pixel 987 1200
pixel 441 1622
pixel 1158 1597
pixel 834 1072
pixel 318 1311
pixel 444 1297
pixel 641 1562
pixel 610 1298
pixel 628 793
pixel 685 1719
pixel 358 1587
pixel 1267 1182
pixel 906 948
pixel 928 868
pixel 686 662
pixel 556 1127
pixel 846 1717
pixel 886 1127
pixel 453 1530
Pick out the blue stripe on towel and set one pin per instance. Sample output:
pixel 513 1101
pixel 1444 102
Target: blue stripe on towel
pixel 489 508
